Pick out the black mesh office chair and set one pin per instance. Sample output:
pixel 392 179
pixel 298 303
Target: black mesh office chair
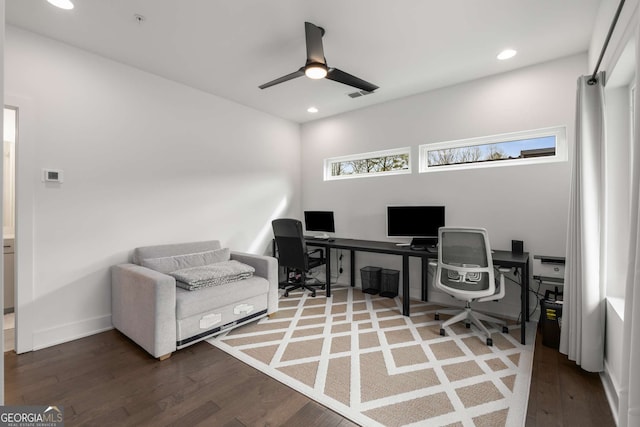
pixel 293 255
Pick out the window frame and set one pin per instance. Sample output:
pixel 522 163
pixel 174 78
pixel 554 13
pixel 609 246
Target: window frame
pixel 363 156
pixel 561 152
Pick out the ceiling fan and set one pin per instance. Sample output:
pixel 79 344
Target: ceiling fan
pixel 316 66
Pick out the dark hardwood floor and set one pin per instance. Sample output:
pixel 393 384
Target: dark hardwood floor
pixel 563 395
pixel 106 379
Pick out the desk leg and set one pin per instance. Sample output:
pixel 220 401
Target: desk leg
pixel 405 285
pixel 352 259
pixel 526 281
pixel 523 308
pixel 425 278
pixel 327 273
pixel 524 305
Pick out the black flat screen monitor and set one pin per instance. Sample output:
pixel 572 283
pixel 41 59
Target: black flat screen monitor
pixel 319 221
pixel 414 221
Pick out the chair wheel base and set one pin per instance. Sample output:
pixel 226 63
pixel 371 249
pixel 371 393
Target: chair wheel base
pixel 489 342
pixel 286 294
pixel 437 316
pixel 442 332
pixel 505 330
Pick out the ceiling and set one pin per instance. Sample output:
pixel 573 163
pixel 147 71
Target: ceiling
pixel 230 47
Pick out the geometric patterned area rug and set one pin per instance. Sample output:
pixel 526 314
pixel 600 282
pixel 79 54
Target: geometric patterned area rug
pixel 356 354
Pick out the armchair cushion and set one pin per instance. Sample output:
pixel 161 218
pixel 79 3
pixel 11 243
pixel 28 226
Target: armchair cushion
pixel 194 278
pixel 169 264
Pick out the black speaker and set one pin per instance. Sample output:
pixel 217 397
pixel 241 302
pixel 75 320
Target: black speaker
pixel 517 246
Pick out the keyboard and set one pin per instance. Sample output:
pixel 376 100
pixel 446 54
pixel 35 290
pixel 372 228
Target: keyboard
pixel 432 249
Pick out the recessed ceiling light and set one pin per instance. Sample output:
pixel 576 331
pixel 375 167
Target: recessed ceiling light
pixel 506 54
pixel 62 4
pixel 312 110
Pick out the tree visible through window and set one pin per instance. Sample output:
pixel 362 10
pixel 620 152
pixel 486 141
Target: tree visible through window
pixel 521 149
pixel 378 163
pixel 488 151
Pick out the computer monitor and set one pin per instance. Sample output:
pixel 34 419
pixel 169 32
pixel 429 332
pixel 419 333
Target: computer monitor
pixel 421 223
pixel 319 221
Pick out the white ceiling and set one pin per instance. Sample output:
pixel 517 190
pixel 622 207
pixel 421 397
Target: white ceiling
pixel 229 47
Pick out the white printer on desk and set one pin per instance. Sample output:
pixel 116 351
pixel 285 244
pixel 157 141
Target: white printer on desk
pixel 548 269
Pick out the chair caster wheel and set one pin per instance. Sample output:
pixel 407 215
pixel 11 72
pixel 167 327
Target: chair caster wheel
pixel 313 294
pixel 286 294
pixel 489 342
pixel 505 330
pixel 442 332
pixel 437 316
pixel 467 325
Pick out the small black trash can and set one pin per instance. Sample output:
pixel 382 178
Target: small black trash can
pixel 389 283
pixel 370 277
pixel 550 315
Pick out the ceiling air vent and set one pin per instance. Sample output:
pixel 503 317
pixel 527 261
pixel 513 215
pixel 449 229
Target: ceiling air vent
pixel 359 93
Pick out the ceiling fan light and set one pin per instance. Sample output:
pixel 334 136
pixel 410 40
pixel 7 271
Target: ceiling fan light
pixel 62 4
pixel 315 71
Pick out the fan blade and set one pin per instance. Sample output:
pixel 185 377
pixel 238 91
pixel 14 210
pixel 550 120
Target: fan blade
pixel 349 80
pixel 283 79
pixel 315 52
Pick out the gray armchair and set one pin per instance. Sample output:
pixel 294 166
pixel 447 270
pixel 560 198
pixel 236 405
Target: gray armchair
pixel 161 317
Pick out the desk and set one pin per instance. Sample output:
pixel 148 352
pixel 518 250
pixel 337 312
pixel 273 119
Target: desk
pixel 501 258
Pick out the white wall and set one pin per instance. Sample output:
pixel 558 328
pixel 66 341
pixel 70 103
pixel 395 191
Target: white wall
pixel 527 203
pixel 617 188
pixel 2 4
pixel 624 30
pixel 146 161
pixel 621 67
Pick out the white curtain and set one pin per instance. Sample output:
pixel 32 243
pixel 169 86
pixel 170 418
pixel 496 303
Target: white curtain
pixel 629 396
pixel 582 332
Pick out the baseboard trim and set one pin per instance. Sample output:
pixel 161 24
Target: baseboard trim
pixel 71 331
pixel 610 391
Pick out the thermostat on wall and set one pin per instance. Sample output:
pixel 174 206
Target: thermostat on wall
pixel 52 175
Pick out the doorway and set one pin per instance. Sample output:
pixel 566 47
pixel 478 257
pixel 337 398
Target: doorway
pixel 8 223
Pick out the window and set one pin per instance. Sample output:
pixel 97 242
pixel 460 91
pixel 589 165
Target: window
pixel 378 163
pixel 534 146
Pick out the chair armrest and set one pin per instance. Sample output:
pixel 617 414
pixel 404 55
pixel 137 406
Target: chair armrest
pixel 143 307
pixel 266 267
pixel 315 251
pixel 500 287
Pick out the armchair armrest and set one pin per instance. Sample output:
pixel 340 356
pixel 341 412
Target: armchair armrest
pixel 266 267
pixel 143 307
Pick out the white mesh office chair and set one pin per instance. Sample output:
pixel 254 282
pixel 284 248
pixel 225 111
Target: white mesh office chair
pixel 465 271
